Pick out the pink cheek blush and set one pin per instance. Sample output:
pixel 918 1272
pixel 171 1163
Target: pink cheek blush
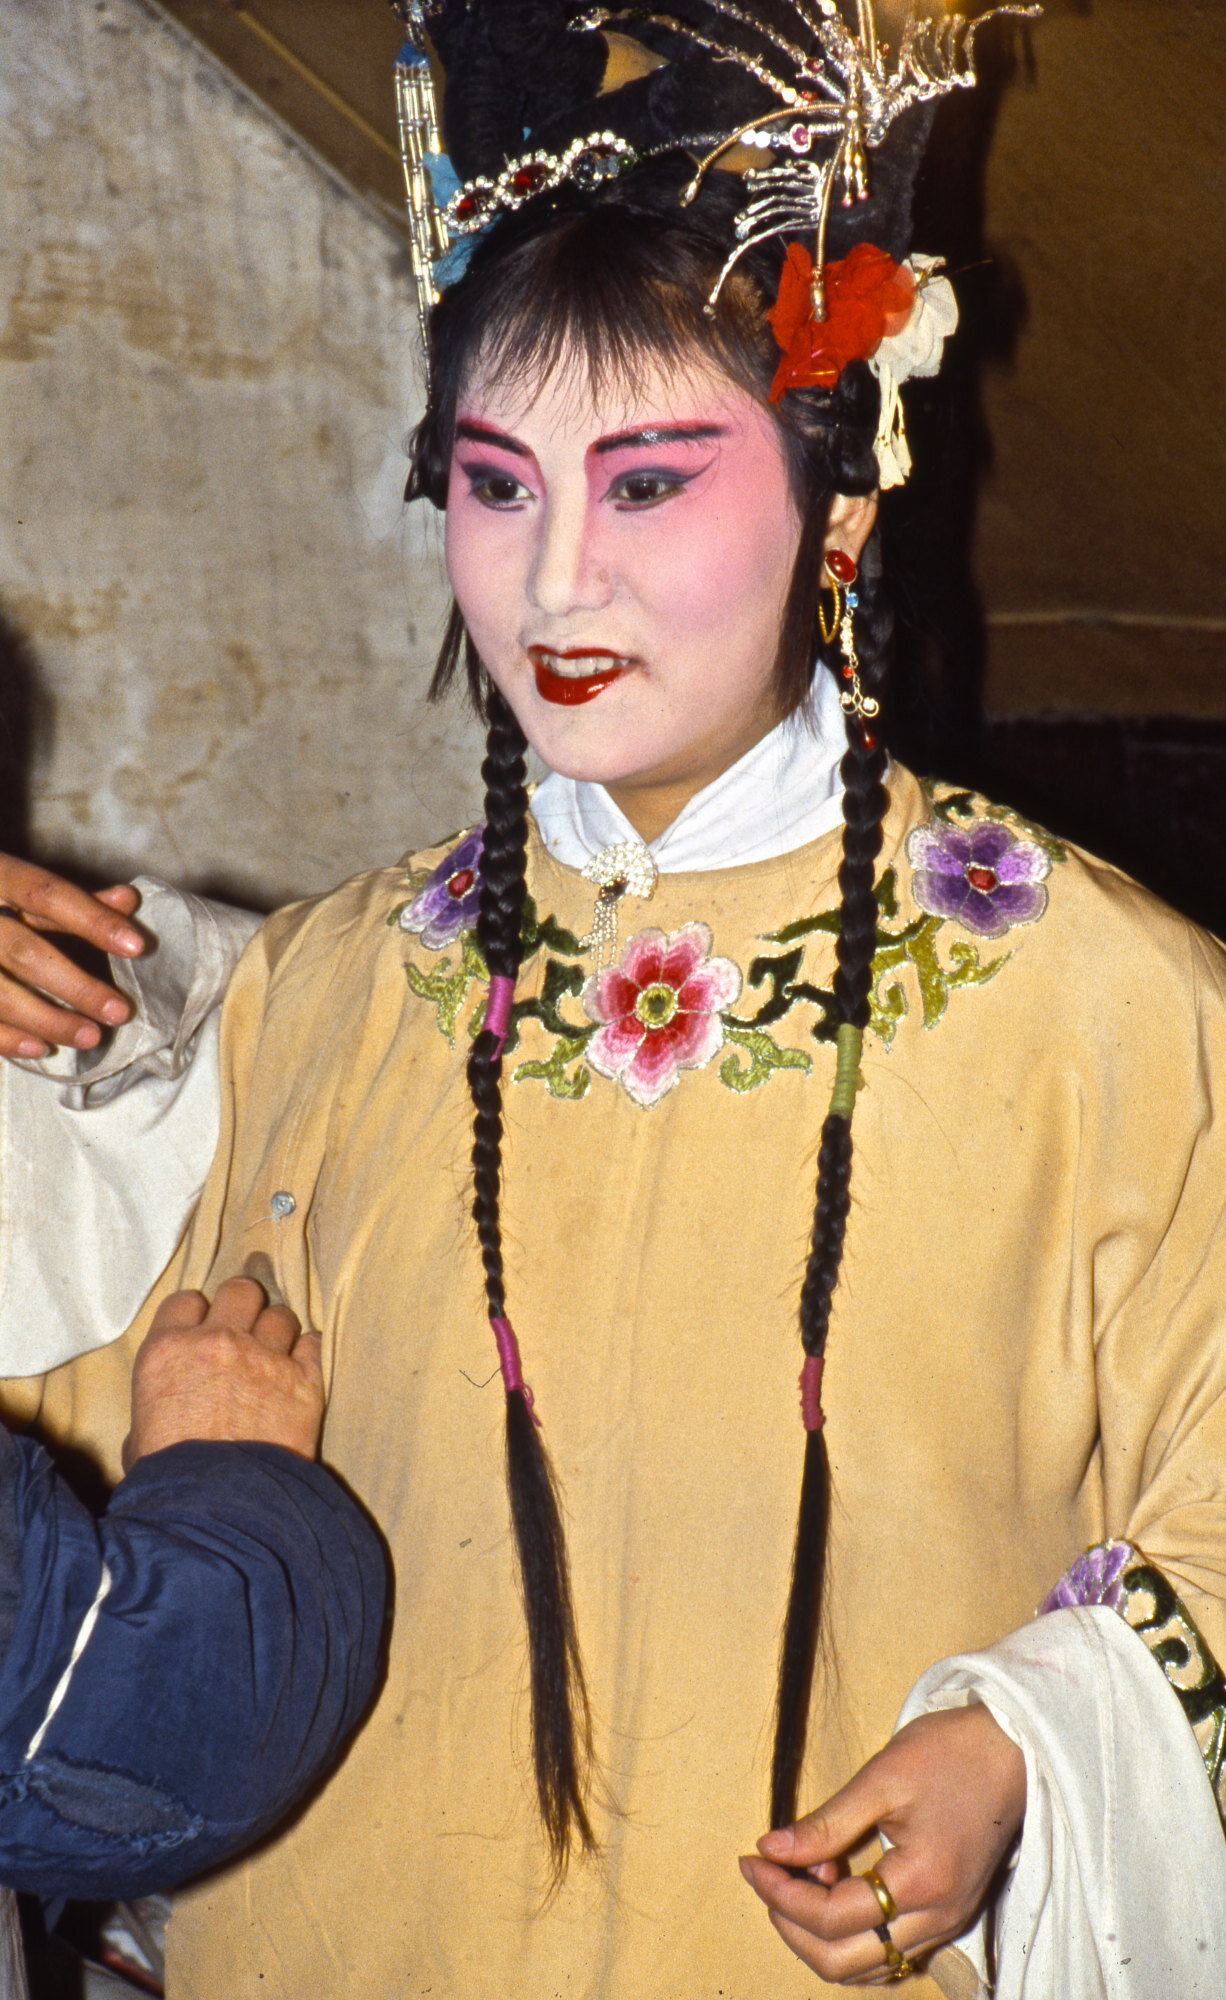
pixel 477 548
pixel 715 549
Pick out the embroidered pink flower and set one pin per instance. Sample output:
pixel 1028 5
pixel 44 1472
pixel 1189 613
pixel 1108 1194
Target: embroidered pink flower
pixel 659 1010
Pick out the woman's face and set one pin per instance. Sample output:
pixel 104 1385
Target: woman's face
pixel 622 568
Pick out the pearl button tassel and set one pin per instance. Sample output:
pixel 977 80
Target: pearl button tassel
pixel 625 866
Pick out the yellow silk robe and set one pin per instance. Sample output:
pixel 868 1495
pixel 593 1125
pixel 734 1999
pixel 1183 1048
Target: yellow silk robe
pixel 1026 1354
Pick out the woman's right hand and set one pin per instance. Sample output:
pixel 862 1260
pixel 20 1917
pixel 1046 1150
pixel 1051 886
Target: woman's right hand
pixel 34 976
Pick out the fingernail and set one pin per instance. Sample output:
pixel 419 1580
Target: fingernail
pixel 115 1011
pixel 779 1841
pixel 86 1037
pixel 129 941
pixel 746 1868
pixel 28 1047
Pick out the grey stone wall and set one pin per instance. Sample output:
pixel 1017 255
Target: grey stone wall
pixel 207 371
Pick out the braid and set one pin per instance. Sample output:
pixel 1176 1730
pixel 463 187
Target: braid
pixel 498 933
pixel 864 803
pixel 561 1727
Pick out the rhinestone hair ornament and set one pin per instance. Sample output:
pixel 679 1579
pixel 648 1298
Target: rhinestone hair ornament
pixel 808 88
pixel 836 89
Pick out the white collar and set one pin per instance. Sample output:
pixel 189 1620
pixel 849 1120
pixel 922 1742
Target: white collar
pixel 780 795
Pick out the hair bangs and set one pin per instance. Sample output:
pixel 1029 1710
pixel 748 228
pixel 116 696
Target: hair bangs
pixel 600 301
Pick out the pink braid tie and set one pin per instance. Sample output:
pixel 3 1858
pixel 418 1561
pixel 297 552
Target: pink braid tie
pixel 812 1414
pixel 509 1362
pixel 498 1012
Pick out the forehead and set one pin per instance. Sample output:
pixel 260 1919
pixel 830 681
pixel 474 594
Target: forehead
pixel 569 402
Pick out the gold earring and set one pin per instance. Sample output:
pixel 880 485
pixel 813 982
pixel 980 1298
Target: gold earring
pixel 829 625
pixel 843 573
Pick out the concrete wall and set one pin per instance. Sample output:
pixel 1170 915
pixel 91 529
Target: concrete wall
pixel 207 372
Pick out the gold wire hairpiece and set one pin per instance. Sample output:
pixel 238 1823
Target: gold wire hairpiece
pixel 846 90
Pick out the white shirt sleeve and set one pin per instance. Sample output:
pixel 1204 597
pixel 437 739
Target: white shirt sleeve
pixel 103 1152
pixel 1118 1887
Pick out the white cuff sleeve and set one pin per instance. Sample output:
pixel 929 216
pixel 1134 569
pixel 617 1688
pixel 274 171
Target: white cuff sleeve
pixel 1118 1889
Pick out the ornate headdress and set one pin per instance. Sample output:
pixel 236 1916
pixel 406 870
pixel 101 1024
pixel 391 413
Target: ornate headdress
pixel 821 114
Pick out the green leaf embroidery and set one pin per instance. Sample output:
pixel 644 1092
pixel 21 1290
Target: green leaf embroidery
pixel 555 1073
pixel 448 990
pixel 827 921
pixel 803 927
pixel 559 980
pixel 547 932
pixel 916 945
pixel 764 1057
pixel 780 974
pixel 755 1054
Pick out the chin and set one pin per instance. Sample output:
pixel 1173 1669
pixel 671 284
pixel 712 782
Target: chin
pixel 591 763
pixel 581 743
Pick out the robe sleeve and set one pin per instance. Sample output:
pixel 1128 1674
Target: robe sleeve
pixel 111 1145
pixel 86 1405
pixel 176 1674
pixel 1159 1274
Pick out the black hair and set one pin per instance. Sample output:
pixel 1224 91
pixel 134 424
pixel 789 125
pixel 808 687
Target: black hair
pixel 864 803
pixel 613 281
pixel 560 1717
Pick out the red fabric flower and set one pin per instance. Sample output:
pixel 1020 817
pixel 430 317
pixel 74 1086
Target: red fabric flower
pixel 868 296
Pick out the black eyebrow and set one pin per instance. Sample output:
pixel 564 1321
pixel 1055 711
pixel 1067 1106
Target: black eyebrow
pixel 660 434
pixel 486 434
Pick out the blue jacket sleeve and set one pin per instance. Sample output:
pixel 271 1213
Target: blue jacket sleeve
pixel 178 1673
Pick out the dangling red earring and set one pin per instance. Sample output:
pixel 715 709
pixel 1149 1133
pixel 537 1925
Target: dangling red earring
pixel 843 573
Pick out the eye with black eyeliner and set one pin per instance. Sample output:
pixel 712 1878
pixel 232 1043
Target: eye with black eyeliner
pixel 494 487
pixel 636 491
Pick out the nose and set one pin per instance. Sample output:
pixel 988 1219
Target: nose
pixel 569 572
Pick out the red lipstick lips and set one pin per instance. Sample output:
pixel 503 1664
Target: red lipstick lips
pixel 568 690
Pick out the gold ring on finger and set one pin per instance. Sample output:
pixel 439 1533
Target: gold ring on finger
pixel 896 1965
pixel 889 1908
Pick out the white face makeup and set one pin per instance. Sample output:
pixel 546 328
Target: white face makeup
pixel 622 570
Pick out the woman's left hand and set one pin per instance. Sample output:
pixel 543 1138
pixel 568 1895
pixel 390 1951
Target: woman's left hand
pixel 949 1793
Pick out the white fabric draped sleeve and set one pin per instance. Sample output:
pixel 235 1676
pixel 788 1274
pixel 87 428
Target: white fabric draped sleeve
pixel 1118 1887
pixel 102 1152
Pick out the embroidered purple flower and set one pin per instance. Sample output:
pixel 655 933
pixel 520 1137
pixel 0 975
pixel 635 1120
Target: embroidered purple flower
pixel 448 903
pixel 982 875
pixel 1093 1579
pixel 659 1010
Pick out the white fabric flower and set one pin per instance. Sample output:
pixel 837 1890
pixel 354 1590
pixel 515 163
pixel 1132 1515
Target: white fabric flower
pixel 916 350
